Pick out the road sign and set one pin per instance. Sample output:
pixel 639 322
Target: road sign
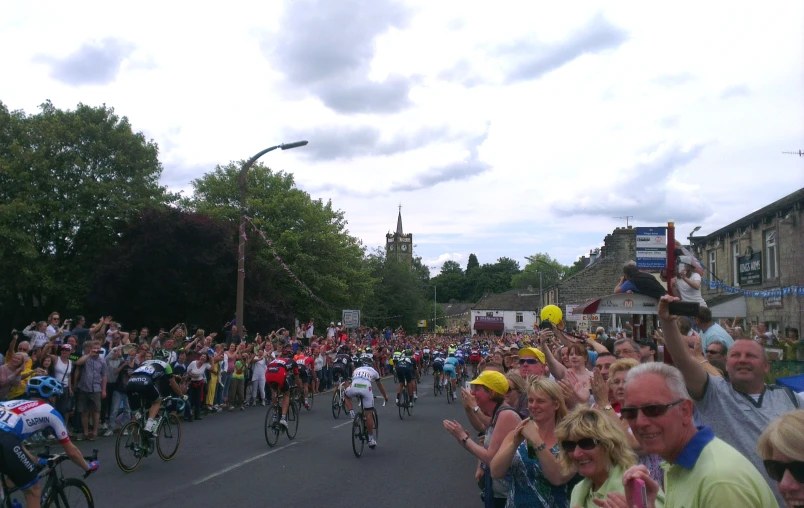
pixel 651 248
pixel 351 318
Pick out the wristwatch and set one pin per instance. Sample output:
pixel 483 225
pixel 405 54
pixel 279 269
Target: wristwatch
pixel 476 409
pixel 607 407
pixel 463 441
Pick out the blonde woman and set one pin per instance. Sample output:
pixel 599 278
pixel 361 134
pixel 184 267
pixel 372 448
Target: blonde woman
pixel 214 371
pixel 596 447
pixel 781 451
pixel 529 453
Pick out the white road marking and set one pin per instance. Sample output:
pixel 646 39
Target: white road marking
pixel 243 463
pixel 341 425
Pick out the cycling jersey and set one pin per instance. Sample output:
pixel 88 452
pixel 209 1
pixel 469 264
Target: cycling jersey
pixel 149 381
pixel 157 369
pixel 23 418
pixel 278 370
pixel 361 385
pixel 404 369
pixel 450 364
pixel 342 366
pixel 438 365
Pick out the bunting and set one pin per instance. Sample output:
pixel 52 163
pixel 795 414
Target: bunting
pixel 770 293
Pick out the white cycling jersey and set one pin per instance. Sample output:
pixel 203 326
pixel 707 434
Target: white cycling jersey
pixel 361 385
pixel 365 372
pixel 24 418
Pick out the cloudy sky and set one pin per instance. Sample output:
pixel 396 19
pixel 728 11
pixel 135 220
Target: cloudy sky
pixel 503 128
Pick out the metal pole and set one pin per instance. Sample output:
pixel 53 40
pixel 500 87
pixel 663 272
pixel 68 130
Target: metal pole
pixel 241 244
pixel 435 307
pixel 541 295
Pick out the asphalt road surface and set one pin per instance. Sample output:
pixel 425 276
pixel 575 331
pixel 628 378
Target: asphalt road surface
pixel 224 461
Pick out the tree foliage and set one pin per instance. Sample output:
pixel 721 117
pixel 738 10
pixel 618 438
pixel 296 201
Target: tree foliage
pixel 69 182
pixel 552 271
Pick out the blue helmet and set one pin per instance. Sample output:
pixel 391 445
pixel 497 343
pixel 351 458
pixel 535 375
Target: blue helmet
pixel 44 387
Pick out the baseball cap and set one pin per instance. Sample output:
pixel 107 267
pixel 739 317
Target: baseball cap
pixel 66 347
pixel 532 351
pixel 492 380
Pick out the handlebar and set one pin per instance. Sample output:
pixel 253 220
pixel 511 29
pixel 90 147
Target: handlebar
pixel 55 460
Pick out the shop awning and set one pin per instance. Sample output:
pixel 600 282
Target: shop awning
pixel 620 303
pixel 490 326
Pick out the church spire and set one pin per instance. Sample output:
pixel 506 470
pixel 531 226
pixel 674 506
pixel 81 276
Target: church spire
pixel 399 222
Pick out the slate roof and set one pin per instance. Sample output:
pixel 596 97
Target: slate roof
pixel 452 309
pixel 516 299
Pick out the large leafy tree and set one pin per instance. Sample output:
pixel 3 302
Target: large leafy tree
pixel 552 272
pixel 169 266
pixel 69 182
pixel 309 236
pixel 402 294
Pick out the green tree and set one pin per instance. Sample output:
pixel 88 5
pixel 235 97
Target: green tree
pixel 399 290
pixel 472 263
pixel 309 236
pixel 552 272
pixel 451 266
pixel 69 182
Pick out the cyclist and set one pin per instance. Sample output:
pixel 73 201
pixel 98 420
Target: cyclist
pixel 474 359
pixel 276 376
pixel 305 363
pixel 426 356
pixel 361 387
pixel 406 371
pixel 147 384
pixel 438 368
pixel 342 366
pixel 395 358
pixel 461 370
pixel 20 419
pixel 450 366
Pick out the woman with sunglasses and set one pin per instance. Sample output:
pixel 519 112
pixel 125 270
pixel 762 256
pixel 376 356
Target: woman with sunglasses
pixel 781 451
pixel 596 447
pixel 529 452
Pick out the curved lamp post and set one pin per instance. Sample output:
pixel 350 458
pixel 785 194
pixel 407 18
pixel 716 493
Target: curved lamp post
pixel 241 247
pixel 545 263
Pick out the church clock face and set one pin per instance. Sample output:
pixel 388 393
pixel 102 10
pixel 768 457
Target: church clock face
pixel 404 247
pixel 391 246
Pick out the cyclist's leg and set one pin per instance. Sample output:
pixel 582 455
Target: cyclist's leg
pixel 19 468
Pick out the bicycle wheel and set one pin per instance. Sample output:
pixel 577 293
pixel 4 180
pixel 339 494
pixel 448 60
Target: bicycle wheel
pixel 376 424
pixel 129 448
pixel 293 420
pixel 272 427
pixel 168 437
pixel 449 391
pixel 310 401
pixel 336 403
pixel 358 436
pixel 403 402
pixel 409 405
pixel 70 493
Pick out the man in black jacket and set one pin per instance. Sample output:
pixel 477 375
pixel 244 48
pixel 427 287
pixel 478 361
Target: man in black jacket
pixel 634 281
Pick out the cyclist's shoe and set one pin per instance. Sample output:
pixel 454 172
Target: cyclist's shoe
pixel 415 396
pixel 306 404
pixel 262 402
pixel 352 414
pixel 94 465
pixel 372 442
pixel 284 421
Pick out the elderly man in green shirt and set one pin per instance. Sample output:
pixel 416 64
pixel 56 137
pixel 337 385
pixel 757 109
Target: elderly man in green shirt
pixel 701 471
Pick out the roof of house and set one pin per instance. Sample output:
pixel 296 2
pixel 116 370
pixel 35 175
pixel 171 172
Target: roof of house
pixel 455 308
pixel 515 299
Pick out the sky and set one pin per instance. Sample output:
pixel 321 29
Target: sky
pixel 503 128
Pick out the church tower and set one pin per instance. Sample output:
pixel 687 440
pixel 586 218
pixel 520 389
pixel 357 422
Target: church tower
pixel 398 245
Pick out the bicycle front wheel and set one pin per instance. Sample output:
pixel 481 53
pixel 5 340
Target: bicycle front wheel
pixel 293 420
pixel 168 438
pixel 336 404
pixel 376 424
pixel 130 448
pixel 70 493
pixel 403 401
pixel 310 401
pixel 358 434
pixel 272 427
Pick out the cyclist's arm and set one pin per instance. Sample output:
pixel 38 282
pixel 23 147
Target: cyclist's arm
pixel 382 388
pixel 175 387
pixel 75 455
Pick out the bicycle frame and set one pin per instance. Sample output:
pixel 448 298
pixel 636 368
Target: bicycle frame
pixel 54 481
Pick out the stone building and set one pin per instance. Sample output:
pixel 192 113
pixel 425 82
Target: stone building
pixel 457 316
pixel 512 311
pixel 600 277
pixel 761 254
pixel 398 245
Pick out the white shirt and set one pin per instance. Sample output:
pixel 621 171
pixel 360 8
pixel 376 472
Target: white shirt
pixel 689 293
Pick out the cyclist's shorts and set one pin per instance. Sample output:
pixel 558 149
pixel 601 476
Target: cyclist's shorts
pixel 339 372
pixel 404 374
pixel 304 374
pixel 361 388
pixel 14 462
pixel 474 358
pixel 277 380
pixel 141 388
pixel 450 369
pixel 438 367
pixel 461 361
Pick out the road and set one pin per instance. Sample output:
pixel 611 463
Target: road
pixel 224 461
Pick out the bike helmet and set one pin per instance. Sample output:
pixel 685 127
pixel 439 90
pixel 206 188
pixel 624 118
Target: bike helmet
pixel 162 354
pixel 367 359
pixel 44 387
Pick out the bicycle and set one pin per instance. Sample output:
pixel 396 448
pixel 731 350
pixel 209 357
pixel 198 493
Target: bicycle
pixel 134 441
pixel 404 404
pixel 338 399
pixel 437 388
pixel 297 395
pixel 360 435
pixel 57 491
pixel 450 392
pixel 272 426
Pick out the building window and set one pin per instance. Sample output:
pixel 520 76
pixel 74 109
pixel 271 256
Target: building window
pixel 712 265
pixel 489 314
pixel 519 318
pixel 772 270
pixel 735 261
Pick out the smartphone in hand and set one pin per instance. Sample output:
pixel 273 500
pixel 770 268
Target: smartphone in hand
pixel 639 494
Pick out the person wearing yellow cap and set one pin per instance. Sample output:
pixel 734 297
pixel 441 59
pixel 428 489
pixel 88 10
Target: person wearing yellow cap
pixel 489 389
pixel 531 362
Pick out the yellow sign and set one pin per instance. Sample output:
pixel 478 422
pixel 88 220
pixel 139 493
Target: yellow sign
pixel 423 324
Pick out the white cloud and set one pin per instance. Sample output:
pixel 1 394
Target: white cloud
pixel 436 263
pixel 505 128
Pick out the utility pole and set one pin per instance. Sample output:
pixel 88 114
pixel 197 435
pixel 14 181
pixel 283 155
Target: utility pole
pixel 626 217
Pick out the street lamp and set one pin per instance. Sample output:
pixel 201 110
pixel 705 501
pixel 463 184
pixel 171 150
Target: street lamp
pixel 534 259
pixel 435 306
pixel 241 247
pixel 697 228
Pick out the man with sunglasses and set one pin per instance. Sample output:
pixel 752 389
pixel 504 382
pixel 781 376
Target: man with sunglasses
pixel 531 362
pixel 700 470
pixel 737 409
pixel 717 351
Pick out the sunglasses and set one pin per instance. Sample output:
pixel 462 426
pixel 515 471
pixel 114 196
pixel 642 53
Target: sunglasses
pixel 713 352
pixel 776 469
pixel 586 443
pixel 529 361
pixel 651 411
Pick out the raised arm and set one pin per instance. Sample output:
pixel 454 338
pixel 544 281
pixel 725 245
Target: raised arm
pixel 556 368
pixel 694 373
